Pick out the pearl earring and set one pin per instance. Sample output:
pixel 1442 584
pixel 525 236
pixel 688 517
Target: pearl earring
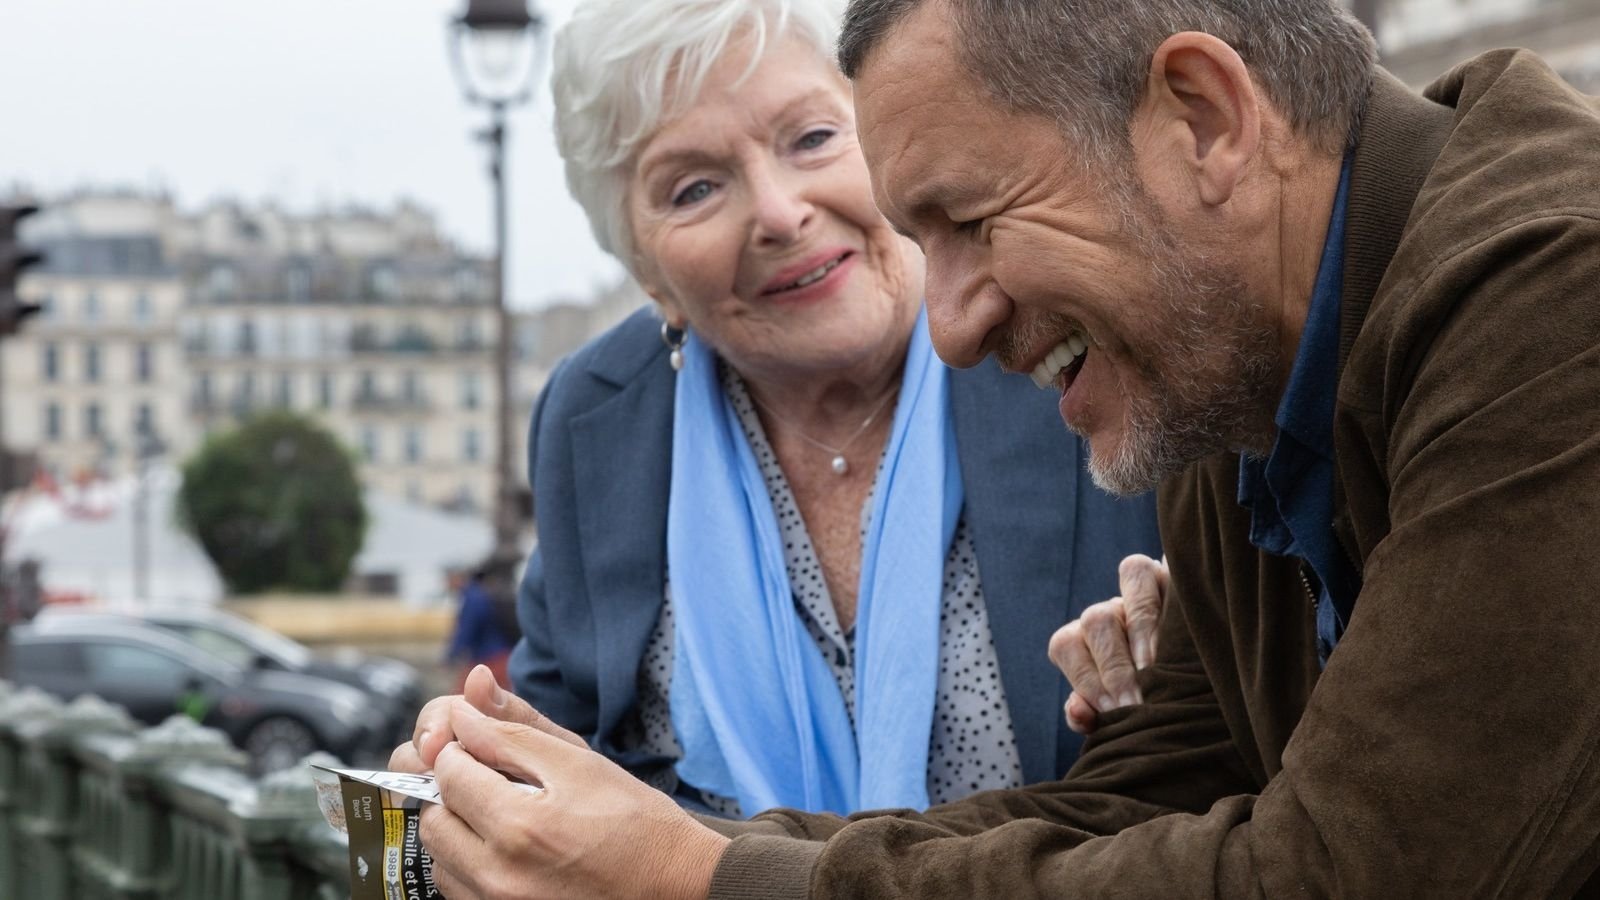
pixel 674 338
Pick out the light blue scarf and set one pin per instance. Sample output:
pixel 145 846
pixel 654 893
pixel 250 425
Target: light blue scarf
pixel 754 705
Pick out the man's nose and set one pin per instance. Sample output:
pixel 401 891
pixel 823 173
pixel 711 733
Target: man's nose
pixel 966 315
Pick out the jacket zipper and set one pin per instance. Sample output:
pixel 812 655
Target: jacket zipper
pixel 1316 618
pixel 1306 583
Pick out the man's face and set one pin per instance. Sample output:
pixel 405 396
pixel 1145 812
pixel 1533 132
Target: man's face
pixel 1081 281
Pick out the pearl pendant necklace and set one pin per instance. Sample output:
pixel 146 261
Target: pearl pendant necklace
pixel 839 464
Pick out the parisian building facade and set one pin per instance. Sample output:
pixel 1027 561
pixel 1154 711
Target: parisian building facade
pixel 161 327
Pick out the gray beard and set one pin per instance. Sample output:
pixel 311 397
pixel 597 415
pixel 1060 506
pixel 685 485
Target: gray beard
pixel 1180 424
pixel 1211 388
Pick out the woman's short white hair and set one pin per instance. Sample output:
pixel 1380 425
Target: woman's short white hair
pixel 622 68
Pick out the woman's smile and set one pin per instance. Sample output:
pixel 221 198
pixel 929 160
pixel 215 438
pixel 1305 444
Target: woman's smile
pixel 820 277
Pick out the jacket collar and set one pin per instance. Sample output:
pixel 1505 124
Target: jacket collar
pixel 1400 139
pixel 616 359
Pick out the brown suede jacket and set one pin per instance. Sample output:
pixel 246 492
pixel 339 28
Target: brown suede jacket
pixel 1449 749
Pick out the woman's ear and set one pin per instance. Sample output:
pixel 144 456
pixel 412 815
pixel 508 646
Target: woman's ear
pixel 669 310
pixel 668 307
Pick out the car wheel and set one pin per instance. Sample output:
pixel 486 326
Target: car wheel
pixel 278 743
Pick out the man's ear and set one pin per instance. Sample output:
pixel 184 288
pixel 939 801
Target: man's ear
pixel 1200 114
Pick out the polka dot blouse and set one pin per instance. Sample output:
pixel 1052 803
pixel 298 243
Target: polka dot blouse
pixel 972 747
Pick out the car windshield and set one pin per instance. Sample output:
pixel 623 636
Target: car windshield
pixel 291 653
pixel 220 644
pixel 241 642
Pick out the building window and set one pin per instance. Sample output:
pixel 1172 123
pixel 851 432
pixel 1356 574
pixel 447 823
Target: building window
pixel 329 342
pixel 144 420
pixel 408 386
pixel 412 338
pixel 367 387
pixel 52 421
pixel 220 283
pixel 285 395
pixel 141 308
pixel 270 338
pixel 467 285
pixel 364 338
pixel 325 390
pixel 471 390
pixel 91 362
pixel 383 282
pixel 248 343
pixel 91 420
pixel 91 306
pixel 202 390
pixel 143 363
pixel 47 307
pixel 413 444
pixel 369 444
pixel 50 361
pixel 468 335
pixel 471 449
pixel 298 280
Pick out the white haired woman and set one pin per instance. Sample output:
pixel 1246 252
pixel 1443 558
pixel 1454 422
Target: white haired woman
pixel 786 557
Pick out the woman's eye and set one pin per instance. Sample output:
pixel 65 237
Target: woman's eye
pixel 811 140
pixel 693 193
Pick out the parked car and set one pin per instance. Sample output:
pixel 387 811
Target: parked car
pixel 394 686
pixel 277 717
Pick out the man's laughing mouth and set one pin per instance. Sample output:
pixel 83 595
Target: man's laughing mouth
pixel 1062 364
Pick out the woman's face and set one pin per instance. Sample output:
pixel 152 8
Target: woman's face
pixel 754 224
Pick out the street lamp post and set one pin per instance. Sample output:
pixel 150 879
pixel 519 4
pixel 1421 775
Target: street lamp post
pixel 147 446
pixel 496 47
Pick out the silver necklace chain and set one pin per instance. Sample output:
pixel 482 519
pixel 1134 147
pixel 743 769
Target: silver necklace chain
pixel 840 465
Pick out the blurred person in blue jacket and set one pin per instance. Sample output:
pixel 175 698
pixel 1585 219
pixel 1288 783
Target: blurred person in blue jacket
pixel 483 633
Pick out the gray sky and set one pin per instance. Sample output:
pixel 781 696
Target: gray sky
pixel 310 102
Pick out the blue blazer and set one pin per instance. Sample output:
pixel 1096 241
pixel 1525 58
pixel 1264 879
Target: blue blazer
pixel 600 461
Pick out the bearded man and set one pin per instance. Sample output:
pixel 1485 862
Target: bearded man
pixel 1354 334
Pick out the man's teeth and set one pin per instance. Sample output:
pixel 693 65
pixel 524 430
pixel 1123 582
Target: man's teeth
pixel 1063 355
pixel 814 275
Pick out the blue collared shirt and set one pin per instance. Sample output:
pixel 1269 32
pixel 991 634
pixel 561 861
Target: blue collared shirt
pixel 1290 493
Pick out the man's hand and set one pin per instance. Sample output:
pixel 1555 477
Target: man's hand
pixel 594 831
pixel 1100 651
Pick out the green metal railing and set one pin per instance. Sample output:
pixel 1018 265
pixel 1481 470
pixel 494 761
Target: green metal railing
pixel 93 806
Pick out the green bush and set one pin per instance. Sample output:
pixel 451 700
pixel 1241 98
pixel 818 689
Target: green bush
pixel 276 505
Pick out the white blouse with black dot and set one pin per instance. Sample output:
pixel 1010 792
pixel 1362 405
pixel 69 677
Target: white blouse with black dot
pixel 972 747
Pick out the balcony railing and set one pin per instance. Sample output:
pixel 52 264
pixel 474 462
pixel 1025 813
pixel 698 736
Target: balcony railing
pixel 93 806
pixel 374 401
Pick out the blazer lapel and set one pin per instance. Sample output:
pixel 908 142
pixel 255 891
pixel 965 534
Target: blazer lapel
pixel 1018 515
pixel 622 463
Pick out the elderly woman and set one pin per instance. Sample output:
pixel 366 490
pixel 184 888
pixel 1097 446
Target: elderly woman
pixel 787 558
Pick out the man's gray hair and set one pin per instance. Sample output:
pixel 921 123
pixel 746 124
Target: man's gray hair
pixel 1084 63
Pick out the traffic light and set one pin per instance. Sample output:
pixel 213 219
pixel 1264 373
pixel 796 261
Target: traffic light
pixel 13 259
